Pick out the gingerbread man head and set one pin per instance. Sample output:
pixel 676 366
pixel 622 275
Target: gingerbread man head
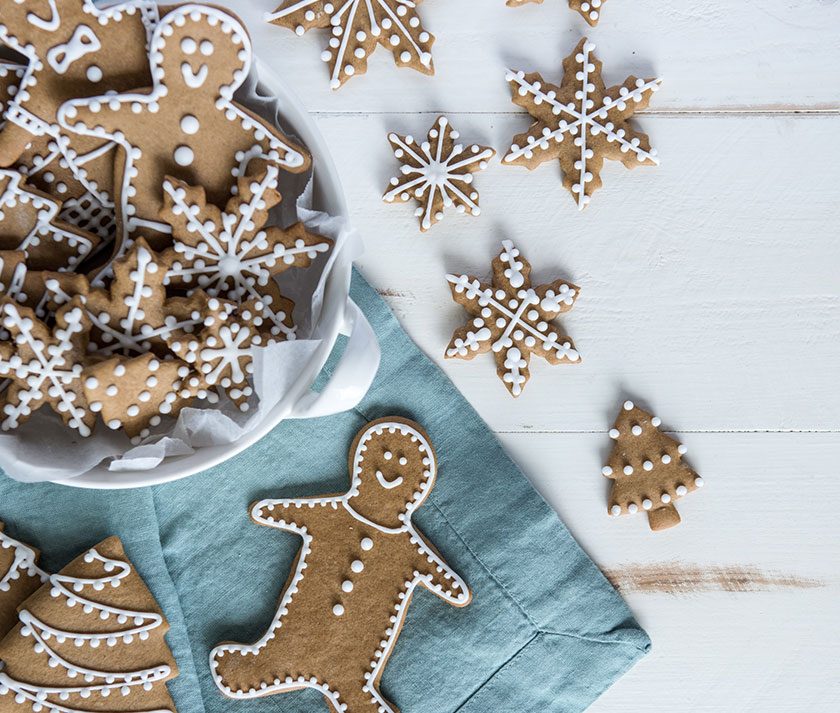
pixel 201 50
pixel 393 469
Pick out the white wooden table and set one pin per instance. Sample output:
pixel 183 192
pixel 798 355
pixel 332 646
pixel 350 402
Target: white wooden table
pixel 710 292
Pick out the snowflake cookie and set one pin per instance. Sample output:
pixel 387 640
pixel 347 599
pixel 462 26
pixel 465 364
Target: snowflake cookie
pixel 512 319
pixel 135 315
pixel 357 26
pixel 133 394
pixel 188 124
pixel 231 254
pixel 647 469
pixel 581 123
pixel 45 366
pixel 360 563
pixel 438 173
pixel 223 351
pixel 29 223
pixel 590 10
pixel 91 639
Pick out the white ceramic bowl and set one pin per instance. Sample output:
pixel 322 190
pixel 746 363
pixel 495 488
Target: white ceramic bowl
pixel 340 315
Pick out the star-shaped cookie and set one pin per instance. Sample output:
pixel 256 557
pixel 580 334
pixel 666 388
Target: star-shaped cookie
pixel 512 319
pixel 581 123
pixel 437 172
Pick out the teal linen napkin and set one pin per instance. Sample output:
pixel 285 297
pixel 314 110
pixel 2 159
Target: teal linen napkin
pixel 545 630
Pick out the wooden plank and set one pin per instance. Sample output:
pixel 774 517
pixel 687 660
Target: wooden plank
pixel 715 54
pixel 740 597
pixel 707 282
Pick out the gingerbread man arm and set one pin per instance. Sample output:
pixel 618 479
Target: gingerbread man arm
pixel 103 117
pixel 437 576
pixel 293 515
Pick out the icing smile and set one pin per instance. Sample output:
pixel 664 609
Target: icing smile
pixel 388 484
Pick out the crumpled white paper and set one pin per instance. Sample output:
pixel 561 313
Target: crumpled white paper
pixel 44 449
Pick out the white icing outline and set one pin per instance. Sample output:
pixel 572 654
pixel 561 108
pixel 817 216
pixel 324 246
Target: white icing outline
pixel 42 633
pixel 585 120
pixel 280 154
pixel 259 513
pixel 23 561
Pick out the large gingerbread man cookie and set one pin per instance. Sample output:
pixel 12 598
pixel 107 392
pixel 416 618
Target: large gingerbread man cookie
pixel 346 599
pixel 187 125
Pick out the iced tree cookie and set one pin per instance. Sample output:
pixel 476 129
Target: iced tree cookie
pixel 647 469
pixel 231 254
pixel 45 366
pixel 91 640
pixel 512 318
pixel 361 560
pixel 357 27
pixel 187 125
pixel 29 223
pixel 20 577
pixel 581 123
pixel 437 173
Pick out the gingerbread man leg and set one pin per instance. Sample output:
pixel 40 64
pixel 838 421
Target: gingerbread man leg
pixel 359 700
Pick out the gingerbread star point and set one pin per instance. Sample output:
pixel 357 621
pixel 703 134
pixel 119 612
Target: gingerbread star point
pixel 581 123
pixel 512 319
pixel 437 173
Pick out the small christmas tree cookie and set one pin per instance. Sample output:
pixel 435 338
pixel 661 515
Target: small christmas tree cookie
pixel 91 639
pixel 647 469
pixel 20 576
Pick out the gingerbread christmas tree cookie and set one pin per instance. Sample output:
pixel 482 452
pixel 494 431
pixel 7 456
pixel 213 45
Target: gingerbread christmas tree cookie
pixel 91 640
pixel 512 318
pixel 437 173
pixel 357 27
pixel 647 468
pixel 581 123
pixel 20 576
pixel 360 562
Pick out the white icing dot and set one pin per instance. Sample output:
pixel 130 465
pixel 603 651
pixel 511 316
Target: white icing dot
pixel 367 544
pixel 184 156
pixel 681 490
pixel 636 430
pixel 628 405
pixel 699 482
pixel 190 124
pixel 606 470
pixel 666 498
pixel 628 470
pixel 357 566
pixel 615 510
pixel 614 434
pixel 94 74
pixel 347 586
pixel 338 610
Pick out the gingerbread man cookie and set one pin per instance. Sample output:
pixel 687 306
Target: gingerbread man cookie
pixel 187 125
pixel 20 576
pixel 361 561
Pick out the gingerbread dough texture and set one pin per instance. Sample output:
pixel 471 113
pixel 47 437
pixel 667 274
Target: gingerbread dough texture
pixel 20 576
pixel 346 599
pixel 647 469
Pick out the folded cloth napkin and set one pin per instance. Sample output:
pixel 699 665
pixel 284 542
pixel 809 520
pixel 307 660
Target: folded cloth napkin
pixel 545 631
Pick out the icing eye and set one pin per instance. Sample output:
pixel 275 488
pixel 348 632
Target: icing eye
pixel 188 45
pixel 206 48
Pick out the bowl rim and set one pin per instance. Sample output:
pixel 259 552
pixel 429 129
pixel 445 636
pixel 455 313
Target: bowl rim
pixel 328 195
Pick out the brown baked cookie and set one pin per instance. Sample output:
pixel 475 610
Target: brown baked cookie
pixel 45 366
pixel 360 562
pixel 581 123
pixel 92 639
pixel 20 576
pixel 187 125
pixel 233 254
pixel 29 223
pixel 437 173
pixel 512 318
pixel 590 10
pixel 647 469
pixel 357 27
